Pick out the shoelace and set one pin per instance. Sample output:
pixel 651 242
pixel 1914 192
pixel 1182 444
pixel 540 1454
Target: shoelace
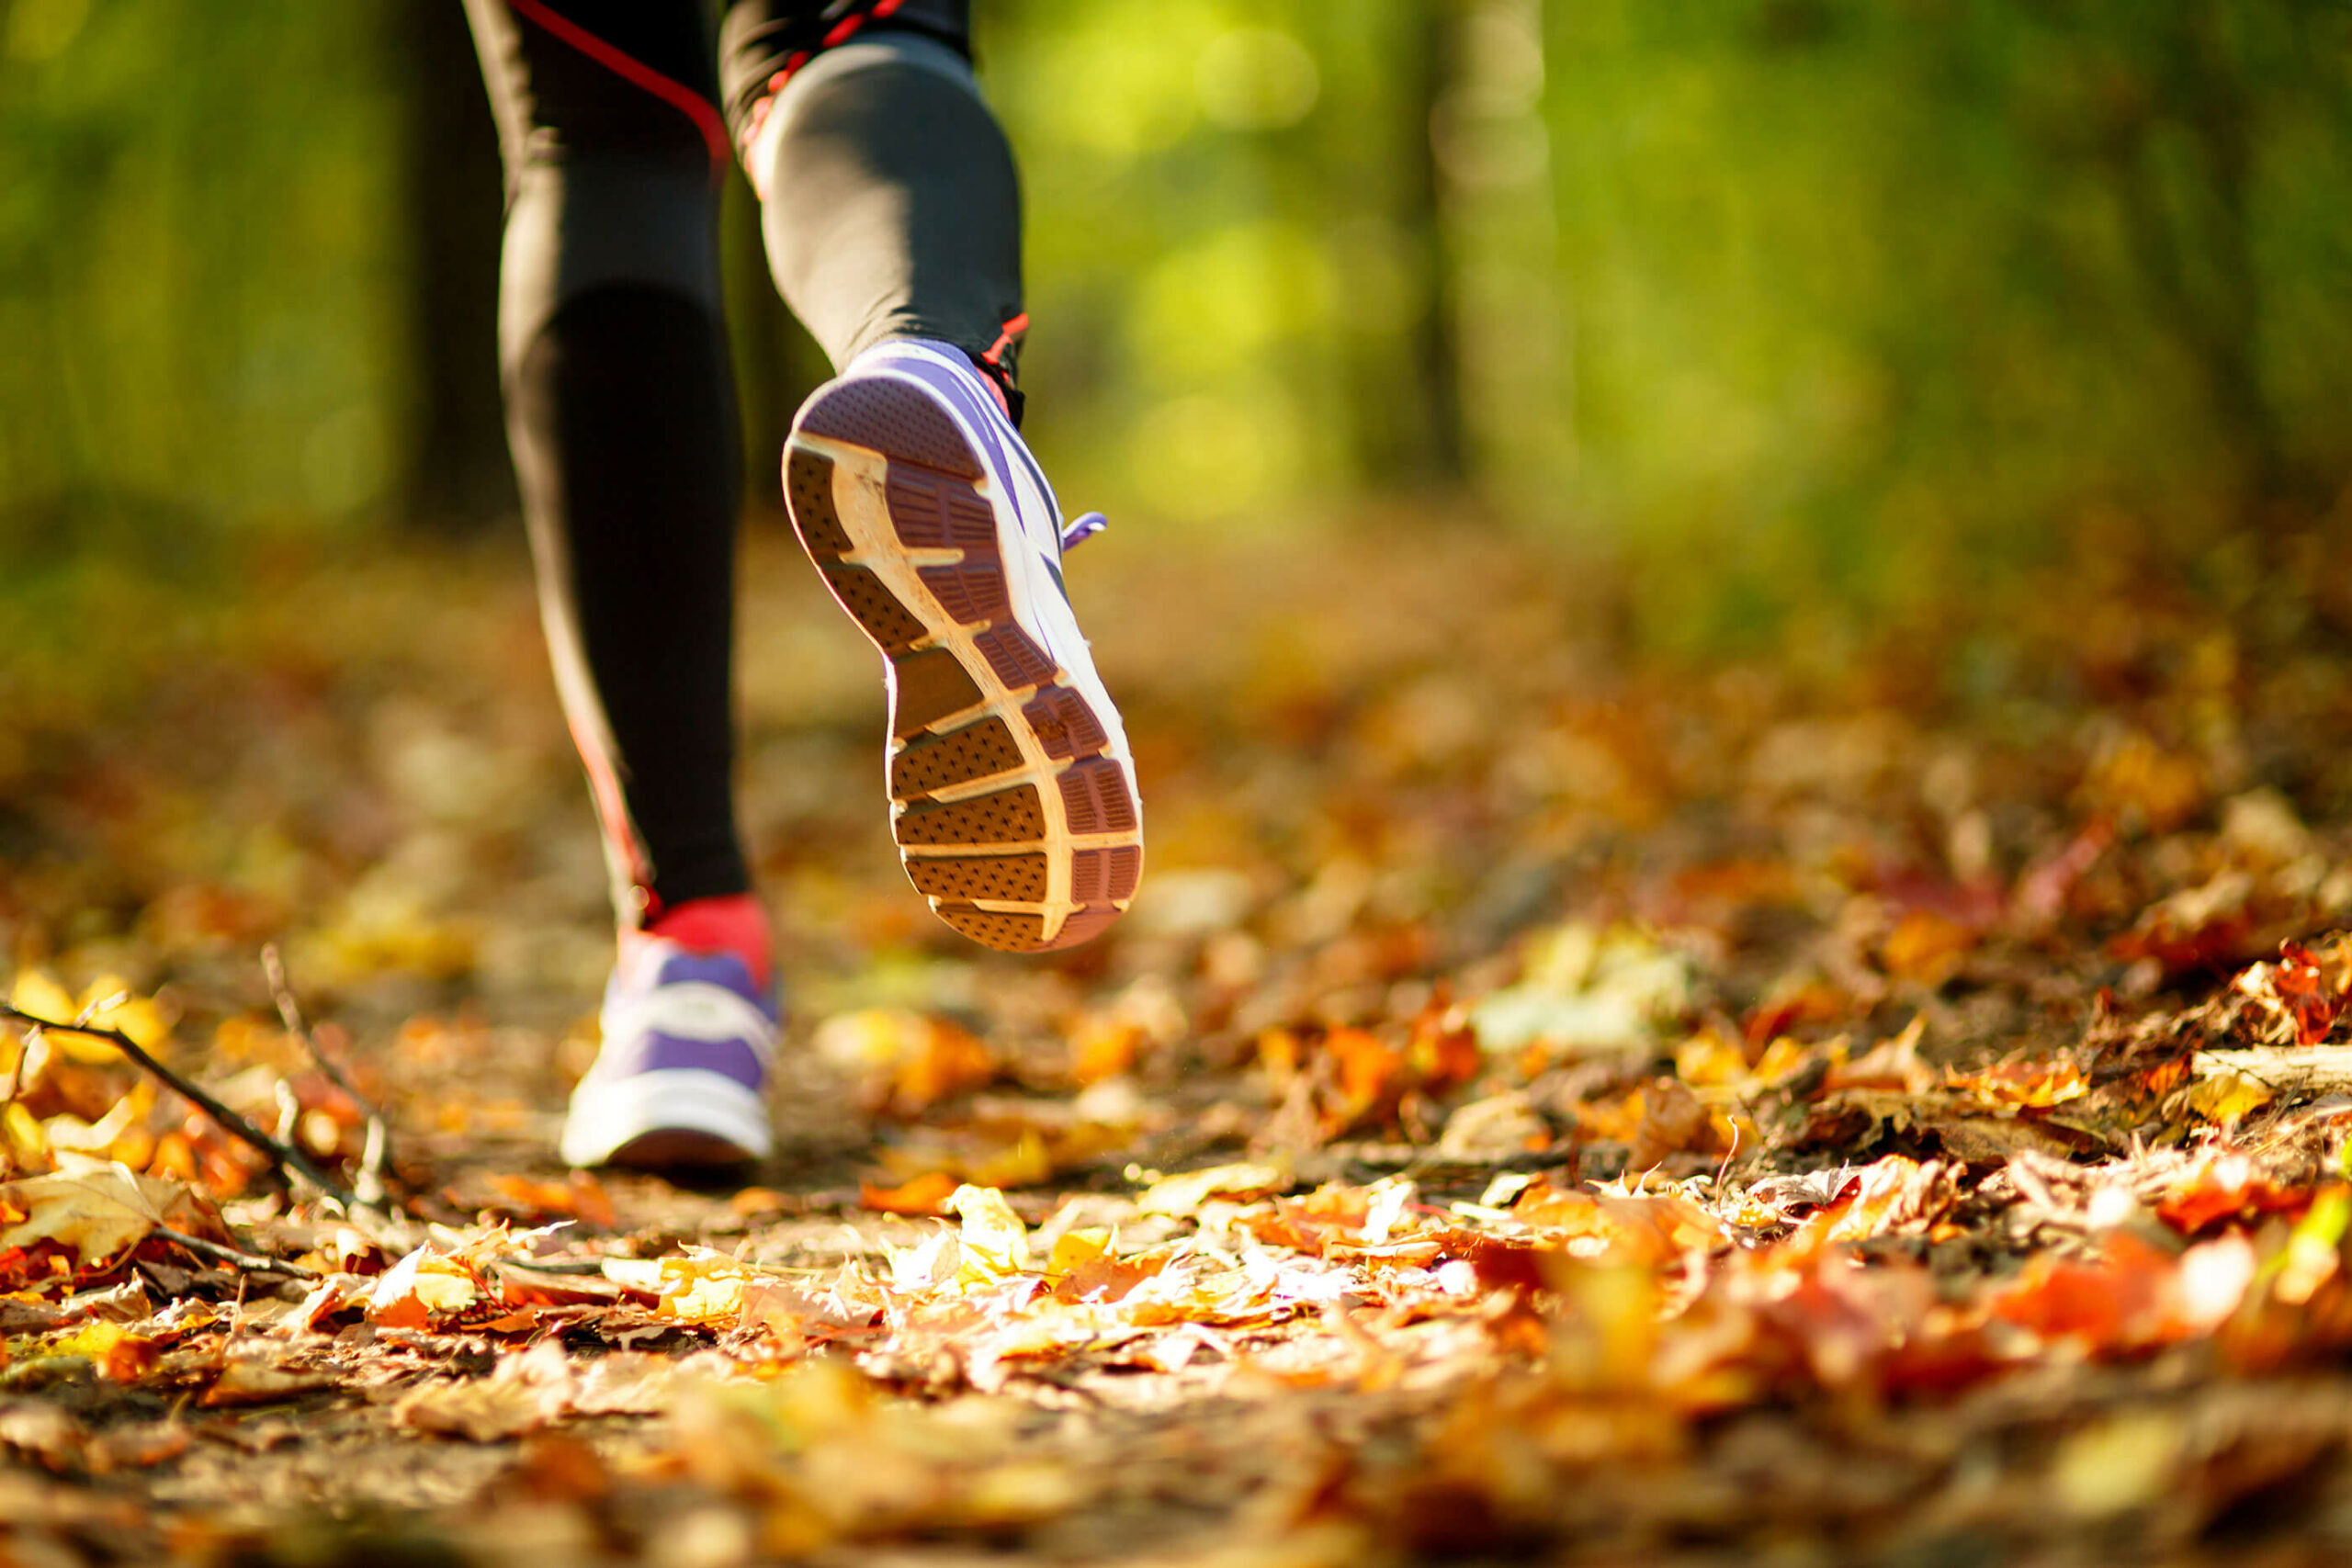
pixel 1082 528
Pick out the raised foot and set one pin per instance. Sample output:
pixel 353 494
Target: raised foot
pixel 1012 792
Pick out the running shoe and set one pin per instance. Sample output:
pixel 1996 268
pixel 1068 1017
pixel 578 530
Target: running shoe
pixel 1013 791
pixel 689 1041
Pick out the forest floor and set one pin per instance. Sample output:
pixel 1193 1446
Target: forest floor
pixel 1856 1102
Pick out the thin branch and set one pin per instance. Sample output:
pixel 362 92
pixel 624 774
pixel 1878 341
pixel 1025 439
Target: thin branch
pixel 251 1261
pixel 378 1153
pixel 290 1010
pixel 369 1183
pixel 24 1056
pixel 283 1158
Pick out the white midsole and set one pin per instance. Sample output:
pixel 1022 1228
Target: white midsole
pixel 606 1114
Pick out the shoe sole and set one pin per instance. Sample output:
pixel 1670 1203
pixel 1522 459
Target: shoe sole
pixel 1011 813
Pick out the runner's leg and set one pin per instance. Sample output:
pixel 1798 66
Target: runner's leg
pixel 890 201
pixel 892 218
pixel 621 416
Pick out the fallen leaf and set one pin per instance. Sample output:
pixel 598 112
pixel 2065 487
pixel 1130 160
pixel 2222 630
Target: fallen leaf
pixel 419 1286
pixel 1181 1195
pixel 994 1243
pixel 524 1392
pixel 262 1379
pixel 2036 1084
pixel 100 1214
pixel 1926 947
pixel 925 1195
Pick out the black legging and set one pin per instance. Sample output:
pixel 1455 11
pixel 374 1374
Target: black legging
pixel 890 209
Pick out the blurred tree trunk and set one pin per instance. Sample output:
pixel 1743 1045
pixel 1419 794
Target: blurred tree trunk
pixel 1436 357
pixel 2194 243
pixel 1404 392
pixel 459 477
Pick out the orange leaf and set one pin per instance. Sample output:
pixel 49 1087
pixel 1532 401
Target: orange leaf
pixel 1103 1048
pixel 925 1195
pixel 2032 1084
pixel 2221 1184
pixel 1926 947
pixel 1367 1067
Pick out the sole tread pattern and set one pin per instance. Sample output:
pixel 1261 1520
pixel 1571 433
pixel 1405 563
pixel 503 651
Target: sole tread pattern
pixel 1009 879
pixel 1064 725
pixel 1096 797
pixel 873 606
pixel 957 756
pixel 1013 816
pixel 975 594
pixel 975 697
pixel 931 686
pixel 894 420
pixel 1006 929
pixel 930 514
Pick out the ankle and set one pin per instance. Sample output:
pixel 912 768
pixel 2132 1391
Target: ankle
pixel 734 923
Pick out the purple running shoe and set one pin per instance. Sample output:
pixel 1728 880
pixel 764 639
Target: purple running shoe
pixel 1012 790
pixel 688 1040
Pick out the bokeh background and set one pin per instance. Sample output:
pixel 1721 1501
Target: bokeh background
pixel 1534 428
pixel 1864 298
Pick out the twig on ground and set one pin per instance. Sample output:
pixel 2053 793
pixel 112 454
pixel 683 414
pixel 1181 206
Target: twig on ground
pixel 290 1010
pixel 378 1153
pixel 283 1158
pixel 251 1261
pixel 2285 1069
pixel 369 1183
pixel 24 1056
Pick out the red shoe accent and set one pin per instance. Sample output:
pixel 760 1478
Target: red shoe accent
pixel 733 924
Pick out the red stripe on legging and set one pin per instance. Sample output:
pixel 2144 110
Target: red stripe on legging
pixel 612 808
pixel 693 104
pixel 841 33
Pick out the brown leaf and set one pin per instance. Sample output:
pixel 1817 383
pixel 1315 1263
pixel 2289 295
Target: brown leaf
pixel 261 1380
pixel 100 1214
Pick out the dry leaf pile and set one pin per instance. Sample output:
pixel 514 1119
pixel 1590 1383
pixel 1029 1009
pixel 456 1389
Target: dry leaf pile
pixel 1547 1103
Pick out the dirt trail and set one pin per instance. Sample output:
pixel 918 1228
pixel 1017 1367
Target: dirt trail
pixel 1546 1100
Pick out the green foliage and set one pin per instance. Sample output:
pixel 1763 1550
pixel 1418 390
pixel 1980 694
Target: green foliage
pixel 1830 294
pixel 1857 285
pixel 200 269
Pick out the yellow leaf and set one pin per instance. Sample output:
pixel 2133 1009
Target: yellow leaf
pixel 994 1243
pixel 100 1214
pixel 1076 1248
pixel 710 1293
pixel 1707 1059
pixel 1025 1162
pixel 119 1355
pixel 1103 1047
pixel 2225 1096
pixel 21 1139
pixel 418 1287
pixel 139 1017
pixel 38 994
pixel 922 1195
pixel 1179 1195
